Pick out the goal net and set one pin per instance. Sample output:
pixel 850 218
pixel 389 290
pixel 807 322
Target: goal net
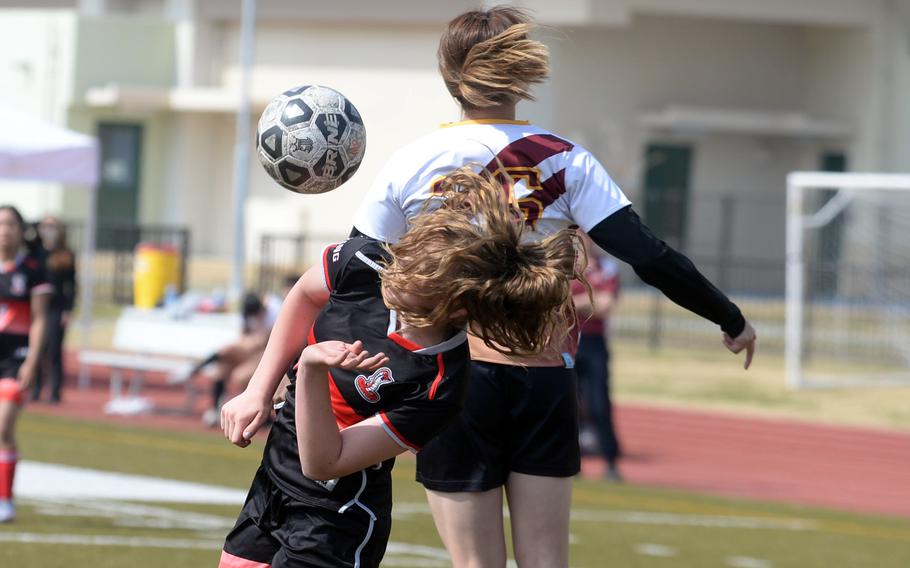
pixel 848 280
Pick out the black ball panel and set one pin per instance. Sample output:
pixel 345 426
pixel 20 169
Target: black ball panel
pixel 296 112
pixel 270 142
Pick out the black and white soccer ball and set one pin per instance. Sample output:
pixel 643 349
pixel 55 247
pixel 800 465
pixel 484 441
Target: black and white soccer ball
pixel 310 139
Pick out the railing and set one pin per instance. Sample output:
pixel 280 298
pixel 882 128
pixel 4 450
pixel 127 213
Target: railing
pixel 116 253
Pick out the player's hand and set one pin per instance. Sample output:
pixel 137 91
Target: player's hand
pixel 243 416
pixel 745 340
pixel 26 374
pixel 338 354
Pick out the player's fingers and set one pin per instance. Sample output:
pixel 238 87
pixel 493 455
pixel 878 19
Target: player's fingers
pixel 355 347
pixel 750 351
pixel 237 433
pixel 375 361
pixel 355 361
pixel 254 425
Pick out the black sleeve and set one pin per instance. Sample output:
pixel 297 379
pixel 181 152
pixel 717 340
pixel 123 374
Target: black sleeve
pixel 68 289
pixel 623 235
pixel 420 417
pixel 352 265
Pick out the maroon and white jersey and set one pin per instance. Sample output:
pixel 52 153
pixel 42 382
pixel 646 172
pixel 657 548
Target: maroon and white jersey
pixel 558 184
pixel 415 395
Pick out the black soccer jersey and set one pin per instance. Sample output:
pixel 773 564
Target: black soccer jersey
pixel 19 280
pixel 415 395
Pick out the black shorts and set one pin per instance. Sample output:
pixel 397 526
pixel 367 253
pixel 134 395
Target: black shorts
pixel 9 367
pixel 276 530
pixel 521 419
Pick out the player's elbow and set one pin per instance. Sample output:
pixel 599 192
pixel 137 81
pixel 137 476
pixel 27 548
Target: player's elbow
pixel 318 470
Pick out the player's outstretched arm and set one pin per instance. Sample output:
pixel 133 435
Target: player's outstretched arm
pixel 623 235
pixel 36 335
pixel 325 452
pixel 243 415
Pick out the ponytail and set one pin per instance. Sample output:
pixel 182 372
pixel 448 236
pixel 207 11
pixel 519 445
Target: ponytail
pixel 487 59
pixel 468 261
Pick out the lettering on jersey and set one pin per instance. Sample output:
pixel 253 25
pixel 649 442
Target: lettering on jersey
pixel 336 252
pixel 18 284
pixel 368 387
pixel 517 163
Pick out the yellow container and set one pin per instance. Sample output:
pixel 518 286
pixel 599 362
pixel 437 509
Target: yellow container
pixel 156 268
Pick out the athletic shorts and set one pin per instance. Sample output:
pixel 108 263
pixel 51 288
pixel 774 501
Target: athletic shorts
pixel 276 530
pixel 9 384
pixel 521 419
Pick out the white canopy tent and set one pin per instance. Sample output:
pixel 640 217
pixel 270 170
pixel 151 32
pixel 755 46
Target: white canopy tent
pixel 31 150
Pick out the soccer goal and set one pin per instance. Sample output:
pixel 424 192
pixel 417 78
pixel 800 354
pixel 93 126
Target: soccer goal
pixel 848 280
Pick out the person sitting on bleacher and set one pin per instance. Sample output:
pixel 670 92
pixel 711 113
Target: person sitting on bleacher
pixel 231 367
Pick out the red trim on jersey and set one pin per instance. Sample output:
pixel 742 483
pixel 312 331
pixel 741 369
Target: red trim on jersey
pixel 404 342
pixel 396 433
pixel 16 316
pixel 325 266
pixel 344 415
pixel 310 339
pixel 228 560
pixel 530 151
pixel 442 369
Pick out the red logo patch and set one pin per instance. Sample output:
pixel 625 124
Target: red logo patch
pixel 368 387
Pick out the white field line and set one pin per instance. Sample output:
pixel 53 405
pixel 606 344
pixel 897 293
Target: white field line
pixel 676 519
pixel 133 515
pixel 51 481
pixel 407 510
pixel 397 553
pixel 108 540
pixel 746 562
pixel 658 550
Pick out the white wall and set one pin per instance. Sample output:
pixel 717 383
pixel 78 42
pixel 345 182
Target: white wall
pixel 35 74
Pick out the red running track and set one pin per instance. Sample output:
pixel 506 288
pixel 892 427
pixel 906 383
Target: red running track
pixel 848 468
pixel 856 469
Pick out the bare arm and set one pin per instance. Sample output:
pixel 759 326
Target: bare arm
pixel 600 307
pixel 244 415
pixel 29 367
pixel 325 452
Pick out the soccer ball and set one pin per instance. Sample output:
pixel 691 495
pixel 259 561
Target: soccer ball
pixel 310 139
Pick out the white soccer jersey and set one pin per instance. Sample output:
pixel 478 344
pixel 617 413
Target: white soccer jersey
pixel 558 184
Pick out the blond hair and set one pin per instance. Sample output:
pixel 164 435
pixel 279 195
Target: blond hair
pixel 467 260
pixel 487 59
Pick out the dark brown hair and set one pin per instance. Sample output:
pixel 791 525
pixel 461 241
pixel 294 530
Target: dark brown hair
pixel 467 259
pixel 60 257
pixel 487 59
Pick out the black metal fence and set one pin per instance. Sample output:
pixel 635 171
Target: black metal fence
pixel 283 255
pixel 116 254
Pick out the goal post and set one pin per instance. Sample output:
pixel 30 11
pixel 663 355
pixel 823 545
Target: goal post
pixel 847 279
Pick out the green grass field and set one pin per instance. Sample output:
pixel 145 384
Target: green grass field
pixel 622 526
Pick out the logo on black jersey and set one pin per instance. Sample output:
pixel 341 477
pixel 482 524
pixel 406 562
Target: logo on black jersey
pixel 368 387
pixel 17 285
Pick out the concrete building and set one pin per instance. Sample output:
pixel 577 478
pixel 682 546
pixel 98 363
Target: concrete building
pixel 692 105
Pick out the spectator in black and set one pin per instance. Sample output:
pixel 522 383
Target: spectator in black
pixel 592 362
pixel 60 263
